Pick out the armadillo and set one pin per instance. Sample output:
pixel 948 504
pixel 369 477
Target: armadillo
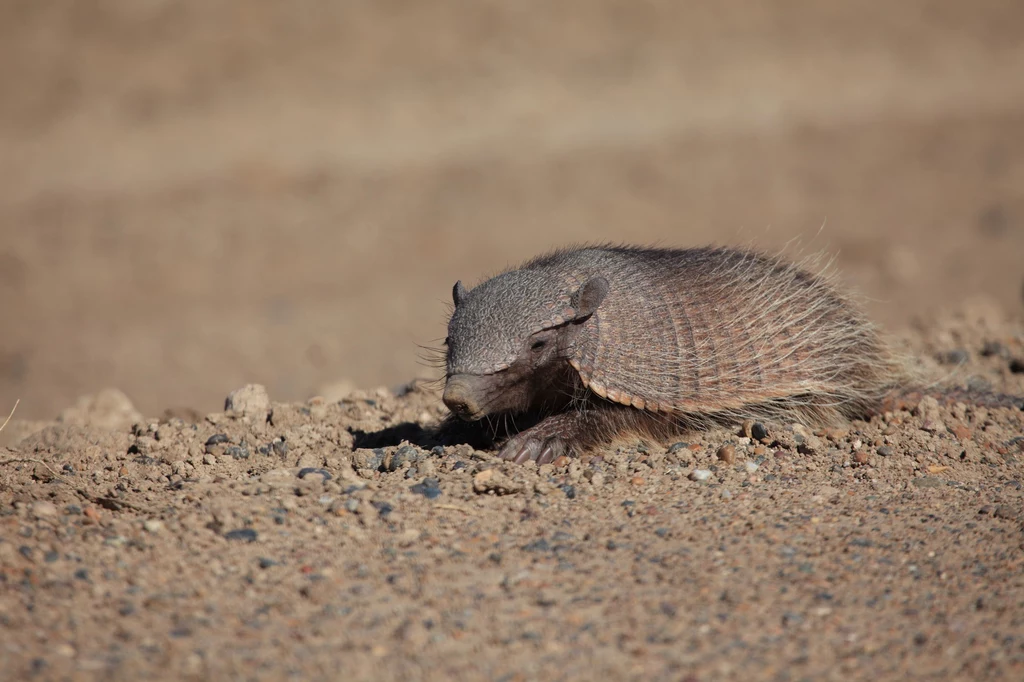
pixel 591 343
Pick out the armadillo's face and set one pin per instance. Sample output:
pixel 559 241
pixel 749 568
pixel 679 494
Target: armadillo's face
pixel 504 339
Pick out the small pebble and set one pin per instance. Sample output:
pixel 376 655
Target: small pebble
pixel 885 451
pixel 758 431
pixel 751 467
pixel 242 534
pixel 383 508
pixel 961 432
pixel 406 454
pixel 251 401
pixel 727 454
pixel 494 482
pixel 992 348
pixel 314 473
pixel 430 488
pixel 569 491
pixel 861 457
pixel 43 509
pixel 700 475
pixel 637 480
pixel 153 525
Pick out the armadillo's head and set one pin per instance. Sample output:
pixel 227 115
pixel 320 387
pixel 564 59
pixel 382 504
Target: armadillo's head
pixel 507 334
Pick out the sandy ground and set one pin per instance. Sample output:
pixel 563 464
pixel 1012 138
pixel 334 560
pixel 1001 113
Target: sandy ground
pixel 198 196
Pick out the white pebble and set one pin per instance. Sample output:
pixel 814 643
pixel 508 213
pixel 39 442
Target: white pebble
pixel 43 509
pixel 153 525
pixel 700 475
pixel 750 466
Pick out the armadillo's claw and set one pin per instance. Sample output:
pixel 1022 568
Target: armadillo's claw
pixel 520 451
pixel 525 448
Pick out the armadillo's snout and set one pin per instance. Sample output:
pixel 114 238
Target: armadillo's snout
pixel 458 396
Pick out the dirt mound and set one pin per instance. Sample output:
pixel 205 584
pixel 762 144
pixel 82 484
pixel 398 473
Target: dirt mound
pixel 332 538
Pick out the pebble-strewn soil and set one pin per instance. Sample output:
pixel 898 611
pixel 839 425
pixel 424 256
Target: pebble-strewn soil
pixel 320 540
pixel 200 196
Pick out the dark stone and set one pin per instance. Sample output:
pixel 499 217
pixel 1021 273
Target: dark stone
pixel 242 535
pixel 430 488
pixel 237 452
pixel 383 508
pixel 217 439
pixel 992 348
pixel 406 454
pixel 885 451
pixel 306 471
pixel 758 431
pixel 540 545
pixel 569 491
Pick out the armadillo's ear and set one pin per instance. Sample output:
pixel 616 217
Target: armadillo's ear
pixel 589 296
pixel 458 293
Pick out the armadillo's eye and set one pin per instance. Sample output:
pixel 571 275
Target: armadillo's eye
pixel 539 344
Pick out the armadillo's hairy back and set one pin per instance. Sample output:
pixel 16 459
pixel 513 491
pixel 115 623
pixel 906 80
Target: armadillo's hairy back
pixel 727 333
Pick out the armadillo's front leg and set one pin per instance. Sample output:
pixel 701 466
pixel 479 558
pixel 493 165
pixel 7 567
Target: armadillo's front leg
pixel 567 433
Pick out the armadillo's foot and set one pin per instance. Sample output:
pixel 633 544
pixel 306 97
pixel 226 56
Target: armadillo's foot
pixel 557 435
pixel 526 447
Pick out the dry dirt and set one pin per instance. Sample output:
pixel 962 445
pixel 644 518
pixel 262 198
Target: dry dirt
pixel 198 196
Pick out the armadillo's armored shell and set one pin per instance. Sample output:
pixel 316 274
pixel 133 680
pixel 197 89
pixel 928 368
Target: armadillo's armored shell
pixel 713 330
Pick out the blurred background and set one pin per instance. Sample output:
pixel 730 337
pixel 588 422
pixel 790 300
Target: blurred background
pixel 196 194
